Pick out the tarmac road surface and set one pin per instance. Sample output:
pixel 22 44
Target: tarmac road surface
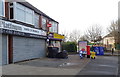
pixel 102 65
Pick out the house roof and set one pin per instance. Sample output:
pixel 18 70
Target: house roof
pixel 109 35
pixel 27 4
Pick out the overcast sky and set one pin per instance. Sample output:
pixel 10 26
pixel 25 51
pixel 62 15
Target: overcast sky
pixel 79 14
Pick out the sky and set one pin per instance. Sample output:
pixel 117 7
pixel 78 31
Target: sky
pixel 79 14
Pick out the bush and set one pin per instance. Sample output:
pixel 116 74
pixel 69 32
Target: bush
pixel 69 46
pixel 118 46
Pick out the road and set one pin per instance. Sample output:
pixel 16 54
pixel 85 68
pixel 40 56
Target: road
pixel 102 65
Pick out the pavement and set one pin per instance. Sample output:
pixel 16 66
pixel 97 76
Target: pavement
pixel 102 65
pixel 47 66
pixel 109 53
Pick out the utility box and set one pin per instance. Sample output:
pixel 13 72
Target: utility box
pixel 99 50
pixel 96 50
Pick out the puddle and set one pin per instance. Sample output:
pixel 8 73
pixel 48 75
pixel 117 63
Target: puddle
pixel 106 65
pixel 67 64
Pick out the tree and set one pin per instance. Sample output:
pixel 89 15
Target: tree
pixel 66 35
pixel 94 33
pixel 113 30
pixel 69 46
pixel 74 36
pixel 83 38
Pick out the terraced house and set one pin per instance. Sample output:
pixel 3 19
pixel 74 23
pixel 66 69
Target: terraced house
pixel 25 32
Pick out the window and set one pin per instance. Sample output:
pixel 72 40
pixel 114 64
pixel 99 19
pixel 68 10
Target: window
pixel 54 27
pixel 36 20
pixel 29 16
pixel 44 23
pixel 11 11
pixel 51 28
pixel 1 7
pixel 21 13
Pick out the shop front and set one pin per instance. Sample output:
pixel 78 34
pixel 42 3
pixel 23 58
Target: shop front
pixel 54 40
pixel 19 42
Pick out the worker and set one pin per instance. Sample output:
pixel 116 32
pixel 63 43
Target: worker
pixel 112 51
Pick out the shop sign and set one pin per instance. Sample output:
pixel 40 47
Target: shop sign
pixel 12 32
pixel 58 36
pixel 55 36
pixel 21 28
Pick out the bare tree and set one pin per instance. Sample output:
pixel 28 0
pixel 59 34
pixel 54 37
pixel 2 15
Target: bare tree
pixel 113 30
pixel 75 36
pixel 66 35
pixel 119 31
pixel 94 33
pixel 83 38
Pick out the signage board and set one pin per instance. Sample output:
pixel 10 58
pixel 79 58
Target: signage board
pixel 55 36
pixel 21 28
pixel 82 45
pixel 58 36
pixel 17 33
